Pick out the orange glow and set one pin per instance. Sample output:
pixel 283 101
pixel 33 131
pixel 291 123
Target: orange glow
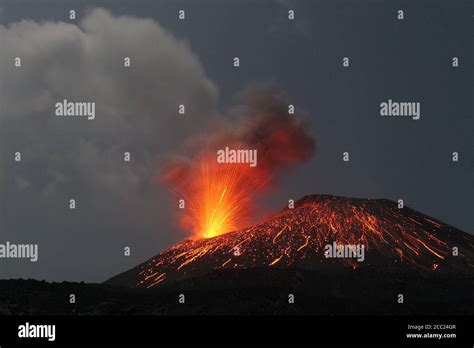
pixel 223 194
pixel 297 237
pixel 221 197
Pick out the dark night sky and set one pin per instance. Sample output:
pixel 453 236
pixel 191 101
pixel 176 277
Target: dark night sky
pixel 191 60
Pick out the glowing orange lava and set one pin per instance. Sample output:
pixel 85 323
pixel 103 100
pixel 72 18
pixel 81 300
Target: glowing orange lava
pixel 296 237
pixel 219 196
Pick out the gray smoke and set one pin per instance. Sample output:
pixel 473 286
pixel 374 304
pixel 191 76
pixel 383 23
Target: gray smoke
pixel 64 157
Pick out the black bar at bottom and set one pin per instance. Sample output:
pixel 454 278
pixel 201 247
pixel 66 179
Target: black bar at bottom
pixel 243 329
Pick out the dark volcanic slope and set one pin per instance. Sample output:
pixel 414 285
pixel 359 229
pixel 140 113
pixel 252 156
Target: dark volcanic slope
pixel 394 240
pixel 260 291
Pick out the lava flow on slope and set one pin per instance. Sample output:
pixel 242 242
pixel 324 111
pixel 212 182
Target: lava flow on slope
pixel 392 238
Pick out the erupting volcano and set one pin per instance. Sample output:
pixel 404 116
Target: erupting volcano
pixel 219 209
pixel 235 261
pixel 394 239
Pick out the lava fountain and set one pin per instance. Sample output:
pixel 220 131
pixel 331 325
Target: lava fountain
pixel 218 197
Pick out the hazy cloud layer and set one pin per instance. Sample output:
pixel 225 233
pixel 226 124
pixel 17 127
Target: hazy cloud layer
pixel 63 158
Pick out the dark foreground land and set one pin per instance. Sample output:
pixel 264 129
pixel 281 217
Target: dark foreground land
pixel 367 291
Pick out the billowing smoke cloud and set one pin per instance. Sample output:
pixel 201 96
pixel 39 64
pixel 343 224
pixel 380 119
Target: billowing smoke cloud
pixel 220 197
pixel 282 139
pixel 64 158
